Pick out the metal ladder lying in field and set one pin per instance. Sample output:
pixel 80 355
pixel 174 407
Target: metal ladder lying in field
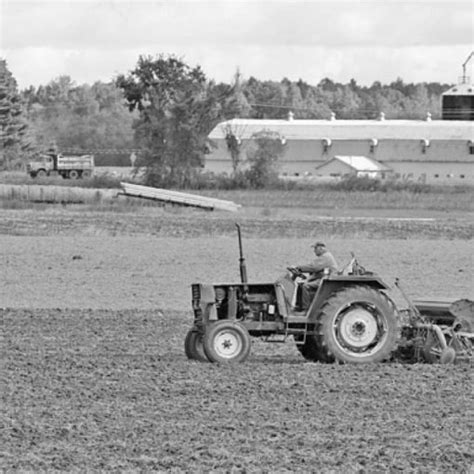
pixel 175 197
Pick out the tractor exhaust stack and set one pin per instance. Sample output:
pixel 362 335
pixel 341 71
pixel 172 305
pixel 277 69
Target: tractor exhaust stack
pixel 242 266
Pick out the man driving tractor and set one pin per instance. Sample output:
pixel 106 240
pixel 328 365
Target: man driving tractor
pixel 324 259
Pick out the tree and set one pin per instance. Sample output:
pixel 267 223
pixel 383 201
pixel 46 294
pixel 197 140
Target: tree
pixel 177 108
pixel 304 87
pixel 81 118
pixel 13 128
pixel 418 104
pixel 293 100
pixel 235 103
pixel 234 146
pixel 268 147
pixel 317 104
pixel 344 102
pixel 266 98
pixel 235 106
pixel 327 85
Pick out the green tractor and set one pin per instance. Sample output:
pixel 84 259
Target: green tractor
pixel 351 320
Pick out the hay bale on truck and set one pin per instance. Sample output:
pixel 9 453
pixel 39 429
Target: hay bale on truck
pixel 51 164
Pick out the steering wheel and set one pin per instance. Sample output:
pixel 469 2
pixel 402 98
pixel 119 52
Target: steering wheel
pixel 295 273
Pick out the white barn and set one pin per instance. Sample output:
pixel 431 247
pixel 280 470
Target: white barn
pixel 421 150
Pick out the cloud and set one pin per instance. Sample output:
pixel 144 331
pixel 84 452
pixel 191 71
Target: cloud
pixel 35 66
pixel 368 40
pixel 112 25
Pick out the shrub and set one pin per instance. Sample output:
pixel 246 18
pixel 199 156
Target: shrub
pixel 103 180
pixel 367 184
pixel 237 180
pixel 268 148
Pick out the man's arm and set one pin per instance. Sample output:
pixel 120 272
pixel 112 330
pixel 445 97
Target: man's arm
pixel 319 264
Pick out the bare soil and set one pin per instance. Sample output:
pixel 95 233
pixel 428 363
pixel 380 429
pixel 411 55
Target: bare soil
pixel 259 222
pixel 94 376
pixel 95 390
pixel 141 272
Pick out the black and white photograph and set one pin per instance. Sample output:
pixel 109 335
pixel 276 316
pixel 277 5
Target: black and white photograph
pixel 237 236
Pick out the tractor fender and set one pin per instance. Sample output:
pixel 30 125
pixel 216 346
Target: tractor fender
pixel 332 284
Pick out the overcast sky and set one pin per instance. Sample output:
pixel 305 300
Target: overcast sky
pixel 370 40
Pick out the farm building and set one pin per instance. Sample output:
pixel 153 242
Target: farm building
pixel 431 151
pixel 458 103
pixel 359 166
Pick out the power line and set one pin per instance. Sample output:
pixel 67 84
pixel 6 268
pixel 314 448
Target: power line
pixel 100 151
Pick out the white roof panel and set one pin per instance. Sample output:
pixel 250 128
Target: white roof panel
pixel 349 129
pixel 460 89
pixel 361 163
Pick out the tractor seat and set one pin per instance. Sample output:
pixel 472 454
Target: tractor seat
pixel 291 294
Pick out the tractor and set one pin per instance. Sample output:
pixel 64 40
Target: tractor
pixel 351 319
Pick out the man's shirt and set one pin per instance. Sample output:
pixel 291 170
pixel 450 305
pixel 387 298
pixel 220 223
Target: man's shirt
pixel 317 266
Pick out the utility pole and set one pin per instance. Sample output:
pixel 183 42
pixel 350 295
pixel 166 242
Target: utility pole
pixel 464 77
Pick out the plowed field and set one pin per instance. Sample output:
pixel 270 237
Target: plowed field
pixel 94 375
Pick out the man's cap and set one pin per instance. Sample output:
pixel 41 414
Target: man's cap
pixel 319 244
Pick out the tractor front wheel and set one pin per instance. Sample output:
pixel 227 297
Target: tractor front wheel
pixel 193 346
pixel 227 342
pixel 358 325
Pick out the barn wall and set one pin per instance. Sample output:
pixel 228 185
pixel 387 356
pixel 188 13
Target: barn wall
pixel 414 150
pixel 434 172
pixel 451 160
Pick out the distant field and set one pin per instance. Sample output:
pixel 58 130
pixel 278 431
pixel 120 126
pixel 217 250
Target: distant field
pixel 133 218
pixel 146 271
pixel 324 199
pixel 454 199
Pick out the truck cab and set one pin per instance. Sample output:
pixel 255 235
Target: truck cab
pixel 41 166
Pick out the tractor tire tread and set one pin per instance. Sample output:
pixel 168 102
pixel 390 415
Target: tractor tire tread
pixel 329 352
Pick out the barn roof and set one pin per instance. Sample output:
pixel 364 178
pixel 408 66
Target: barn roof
pixel 349 129
pixel 460 89
pixel 358 163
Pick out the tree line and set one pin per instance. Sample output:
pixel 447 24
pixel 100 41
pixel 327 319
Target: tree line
pixel 165 109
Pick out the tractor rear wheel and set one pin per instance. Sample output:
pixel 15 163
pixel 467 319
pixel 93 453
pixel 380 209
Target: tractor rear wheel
pixel 193 346
pixel 227 341
pixel 311 351
pixel 305 349
pixel 358 325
